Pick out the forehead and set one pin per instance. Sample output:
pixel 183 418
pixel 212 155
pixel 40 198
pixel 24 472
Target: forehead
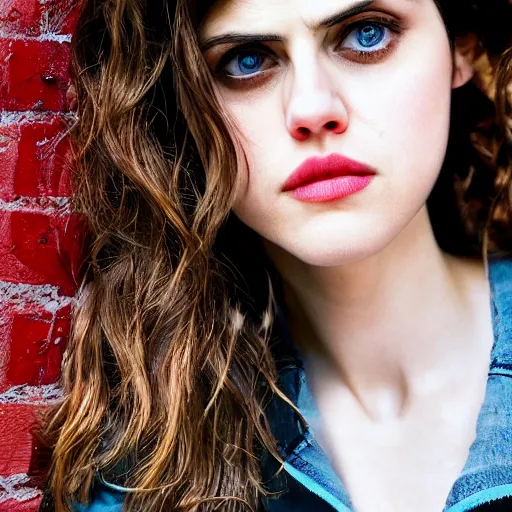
pixel 277 15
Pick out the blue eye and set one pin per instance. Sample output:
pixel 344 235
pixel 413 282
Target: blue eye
pixel 245 63
pixel 249 63
pixel 368 38
pixel 364 38
pixel 370 35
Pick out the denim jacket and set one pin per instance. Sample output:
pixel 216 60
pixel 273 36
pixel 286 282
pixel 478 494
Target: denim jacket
pixel 309 482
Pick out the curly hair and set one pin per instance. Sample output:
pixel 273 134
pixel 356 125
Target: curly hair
pixel 470 205
pixel 169 365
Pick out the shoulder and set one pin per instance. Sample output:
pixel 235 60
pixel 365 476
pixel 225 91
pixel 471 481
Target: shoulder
pixel 500 270
pixel 500 279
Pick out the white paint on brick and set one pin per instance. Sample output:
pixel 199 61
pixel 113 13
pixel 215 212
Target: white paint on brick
pixel 4 142
pixel 32 395
pixel 43 142
pixel 53 19
pixel 9 118
pixel 12 488
pixel 46 205
pixel 59 38
pixel 45 36
pixel 18 296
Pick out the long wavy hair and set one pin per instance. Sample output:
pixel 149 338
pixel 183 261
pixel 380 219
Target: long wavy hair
pixel 170 365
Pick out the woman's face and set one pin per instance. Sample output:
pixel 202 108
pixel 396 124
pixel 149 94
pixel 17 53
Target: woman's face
pixel 366 80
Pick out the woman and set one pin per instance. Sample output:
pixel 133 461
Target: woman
pixel 258 172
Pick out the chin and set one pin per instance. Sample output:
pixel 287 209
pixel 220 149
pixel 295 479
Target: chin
pixel 335 251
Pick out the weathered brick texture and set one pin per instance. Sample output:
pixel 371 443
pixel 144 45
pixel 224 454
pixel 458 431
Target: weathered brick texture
pixel 39 235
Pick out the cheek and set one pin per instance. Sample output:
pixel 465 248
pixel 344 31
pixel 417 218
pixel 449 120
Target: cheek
pixel 421 105
pixel 410 114
pixel 406 115
pixel 262 138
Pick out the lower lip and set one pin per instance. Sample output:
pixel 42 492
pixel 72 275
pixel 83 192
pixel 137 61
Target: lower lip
pixel 331 189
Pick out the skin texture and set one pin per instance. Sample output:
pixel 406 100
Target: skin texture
pixel 396 335
pixel 375 106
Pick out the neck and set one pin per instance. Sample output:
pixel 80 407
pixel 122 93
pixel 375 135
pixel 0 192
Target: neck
pixel 391 323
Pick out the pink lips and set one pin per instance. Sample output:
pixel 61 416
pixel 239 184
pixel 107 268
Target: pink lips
pixel 322 179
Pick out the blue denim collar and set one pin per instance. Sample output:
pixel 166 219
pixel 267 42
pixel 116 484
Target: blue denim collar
pixel 487 474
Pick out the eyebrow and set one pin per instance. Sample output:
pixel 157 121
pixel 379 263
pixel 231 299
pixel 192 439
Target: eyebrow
pixel 329 22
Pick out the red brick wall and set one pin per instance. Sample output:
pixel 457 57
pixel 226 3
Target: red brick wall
pixel 39 239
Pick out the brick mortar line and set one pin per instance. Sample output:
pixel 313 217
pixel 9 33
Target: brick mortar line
pixel 48 205
pixel 45 37
pixel 48 394
pixel 19 117
pixel 20 295
pixel 12 488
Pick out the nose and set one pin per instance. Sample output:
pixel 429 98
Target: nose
pixel 314 106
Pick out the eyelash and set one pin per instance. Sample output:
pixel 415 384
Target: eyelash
pixel 364 57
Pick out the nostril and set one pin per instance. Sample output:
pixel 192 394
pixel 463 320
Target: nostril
pixel 303 131
pixel 331 125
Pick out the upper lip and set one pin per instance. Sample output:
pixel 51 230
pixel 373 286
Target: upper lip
pixel 321 168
